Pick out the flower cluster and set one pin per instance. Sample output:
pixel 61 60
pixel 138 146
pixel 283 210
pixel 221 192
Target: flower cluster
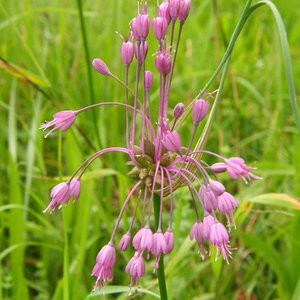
pixel 159 163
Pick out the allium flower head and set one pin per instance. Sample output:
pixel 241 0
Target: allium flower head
pixel 159 163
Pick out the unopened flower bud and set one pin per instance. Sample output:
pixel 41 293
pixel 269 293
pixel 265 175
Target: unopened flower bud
pixel 219 167
pixel 100 66
pixel 184 9
pixel 127 52
pixel 200 109
pixel 217 187
pixel 163 11
pixel 174 8
pixel 148 80
pixel 159 26
pixel 140 27
pixel 169 236
pixel 124 242
pixel 178 110
pixel 163 62
pixel 141 52
pixel 75 188
pixel 172 142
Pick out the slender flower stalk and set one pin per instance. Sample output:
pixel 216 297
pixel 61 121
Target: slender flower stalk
pixel 157 158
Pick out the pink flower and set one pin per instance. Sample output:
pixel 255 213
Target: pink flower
pixel 219 237
pixel 143 239
pixel 218 167
pixel 75 188
pixel 124 242
pixel 169 237
pixel 160 26
pixel 163 11
pixel 59 194
pixel 142 52
pixel 227 205
pixel 209 199
pixel 148 80
pixel 200 110
pixel 236 167
pixel 178 110
pixel 61 120
pixel 127 52
pixel 136 268
pixel 159 246
pixel 208 221
pixel 217 187
pixel 172 141
pixel 163 62
pixel 105 261
pixel 184 9
pixel 174 8
pixel 196 234
pixel 140 27
pixel 100 66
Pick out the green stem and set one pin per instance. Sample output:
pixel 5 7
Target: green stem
pixel 88 65
pixel 161 269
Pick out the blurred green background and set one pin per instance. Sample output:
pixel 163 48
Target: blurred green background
pixel 43 70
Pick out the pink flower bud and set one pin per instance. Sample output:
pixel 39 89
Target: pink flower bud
pixel 142 52
pixel 143 239
pixel 169 237
pixel 219 167
pixel 209 199
pixel 159 26
pixel 163 62
pixel 163 11
pixel 124 242
pixel 140 27
pixel 184 9
pixel 127 52
pixel 75 188
pixel 148 80
pixel 208 221
pixel 100 66
pixel 172 142
pixel 178 110
pixel 217 187
pixel 159 246
pixel 200 109
pixel 174 8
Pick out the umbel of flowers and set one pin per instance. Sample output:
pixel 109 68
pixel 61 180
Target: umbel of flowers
pixel 157 159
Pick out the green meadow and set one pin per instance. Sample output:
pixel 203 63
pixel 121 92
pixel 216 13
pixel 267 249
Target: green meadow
pixel 46 49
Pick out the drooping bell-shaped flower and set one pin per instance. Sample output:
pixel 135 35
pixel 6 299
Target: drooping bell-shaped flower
pixel 143 239
pixel 169 237
pixel 159 246
pixel 75 188
pixel 219 237
pixel 208 221
pixel 103 268
pixel 209 199
pixel 136 268
pixel 124 242
pixel 60 194
pixel 227 205
pixel 196 234
pixel 61 120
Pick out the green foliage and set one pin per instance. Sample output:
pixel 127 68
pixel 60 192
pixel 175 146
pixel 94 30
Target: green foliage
pixel 44 69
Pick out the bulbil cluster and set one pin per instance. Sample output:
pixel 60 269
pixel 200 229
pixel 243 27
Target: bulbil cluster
pixel 158 162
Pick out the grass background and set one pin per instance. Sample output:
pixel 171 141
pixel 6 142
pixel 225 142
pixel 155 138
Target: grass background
pixel 51 256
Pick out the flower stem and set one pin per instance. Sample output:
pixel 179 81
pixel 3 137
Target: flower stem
pixel 161 268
